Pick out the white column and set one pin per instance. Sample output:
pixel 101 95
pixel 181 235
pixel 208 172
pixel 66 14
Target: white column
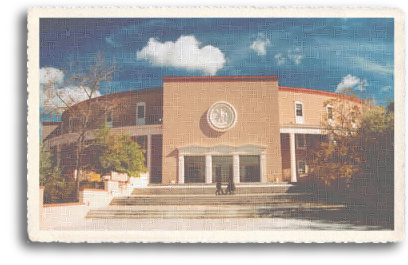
pixel 149 154
pixel 235 166
pixel 262 161
pixel 181 169
pixel 208 169
pixel 293 177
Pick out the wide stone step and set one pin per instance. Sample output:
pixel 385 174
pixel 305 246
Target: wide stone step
pixel 210 189
pixel 238 199
pixel 208 212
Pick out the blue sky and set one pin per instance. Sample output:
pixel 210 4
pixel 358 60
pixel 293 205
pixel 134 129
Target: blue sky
pixel 324 54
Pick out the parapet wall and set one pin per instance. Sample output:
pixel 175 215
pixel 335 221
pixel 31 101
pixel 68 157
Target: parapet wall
pixel 66 214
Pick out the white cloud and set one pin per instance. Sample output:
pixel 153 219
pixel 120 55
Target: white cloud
pixel 52 96
pixel 296 58
pixel 260 44
pixel 280 58
pixel 374 67
pixel 51 75
pixel 292 55
pixel 183 53
pixel 351 82
pixel 55 98
pixel 386 88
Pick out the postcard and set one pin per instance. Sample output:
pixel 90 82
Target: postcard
pixel 215 124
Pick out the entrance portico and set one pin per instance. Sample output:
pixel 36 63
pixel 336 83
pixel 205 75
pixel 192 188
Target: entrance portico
pixel 245 163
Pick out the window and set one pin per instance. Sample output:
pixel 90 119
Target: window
pixel 142 141
pixel 299 112
pixel 249 168
pixel 302 168
pixel 352 117
pixel 329 110
pixel 222 168
pixel 301 141
pixel 109 119
pixel 140 113
pixel 71 124
pixel 121 108
pixel 194 169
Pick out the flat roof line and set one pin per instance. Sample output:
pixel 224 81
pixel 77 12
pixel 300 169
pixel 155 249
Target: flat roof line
pixel 319 92
pixel 217 78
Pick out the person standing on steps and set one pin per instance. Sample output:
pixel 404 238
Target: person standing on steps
pixel 231 187
pixel 219 189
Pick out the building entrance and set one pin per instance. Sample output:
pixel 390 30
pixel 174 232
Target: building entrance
pixel 199 164
pixel 194 169
pixel 222 168
pixel 249 168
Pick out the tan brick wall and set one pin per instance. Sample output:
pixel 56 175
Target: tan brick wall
pixel 125 104
pixel 125 115
pixel 313 104
pixel 185 106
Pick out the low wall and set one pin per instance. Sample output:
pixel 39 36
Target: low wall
pixel 94 198
pixel 140 182
pixel 57 216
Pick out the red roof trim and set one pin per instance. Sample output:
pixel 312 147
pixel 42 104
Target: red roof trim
pixel 218 78
pixel 318 92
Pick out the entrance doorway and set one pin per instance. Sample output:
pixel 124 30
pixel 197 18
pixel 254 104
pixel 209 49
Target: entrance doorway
pixel 249 168
pixel 194 169
pixel 222 168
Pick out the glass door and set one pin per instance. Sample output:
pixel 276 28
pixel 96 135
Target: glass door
pixel 221 168
pixel 194 167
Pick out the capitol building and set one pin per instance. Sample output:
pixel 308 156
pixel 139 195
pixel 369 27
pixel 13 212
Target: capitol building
pixel 206 129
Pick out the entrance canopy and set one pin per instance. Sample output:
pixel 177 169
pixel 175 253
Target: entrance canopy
pixel 247 149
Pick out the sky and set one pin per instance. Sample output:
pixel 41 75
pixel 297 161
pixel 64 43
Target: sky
pixel 328 54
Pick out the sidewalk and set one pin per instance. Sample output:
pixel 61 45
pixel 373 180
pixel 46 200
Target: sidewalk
pixel 249 224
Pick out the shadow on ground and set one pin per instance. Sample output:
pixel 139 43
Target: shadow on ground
pixel 339 207
pixel 357 216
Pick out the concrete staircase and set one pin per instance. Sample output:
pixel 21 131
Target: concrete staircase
pixel 200 201
pixel 255 188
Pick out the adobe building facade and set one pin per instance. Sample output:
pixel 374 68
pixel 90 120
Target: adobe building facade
pixel 205 129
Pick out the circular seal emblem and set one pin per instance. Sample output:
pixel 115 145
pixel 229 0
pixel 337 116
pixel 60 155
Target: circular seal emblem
pixel 221 116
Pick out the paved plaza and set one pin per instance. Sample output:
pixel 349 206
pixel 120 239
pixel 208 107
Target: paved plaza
pixel 76 221
pixel 236 224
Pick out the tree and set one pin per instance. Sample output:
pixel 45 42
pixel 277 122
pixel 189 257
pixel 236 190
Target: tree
pixel 117 152
pixel 339 158
pixel 80 85
pixel 45 164
pixel 377 140
pixel 57 188
pixel 360 146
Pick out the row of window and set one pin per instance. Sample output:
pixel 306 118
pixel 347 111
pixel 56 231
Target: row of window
pixel 140 117
pixel 329 109
pixel 300 116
